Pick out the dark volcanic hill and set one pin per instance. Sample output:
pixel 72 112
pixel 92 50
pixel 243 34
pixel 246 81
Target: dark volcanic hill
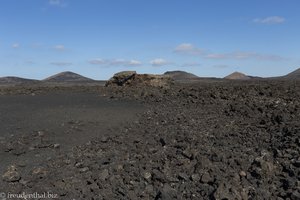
pixel 68 77
pixel 293 75
pixel 12 80
pixel 237 76
pixel 181 75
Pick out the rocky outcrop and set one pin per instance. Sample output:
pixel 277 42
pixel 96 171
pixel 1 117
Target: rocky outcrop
pixel 131 78
pixel 121 78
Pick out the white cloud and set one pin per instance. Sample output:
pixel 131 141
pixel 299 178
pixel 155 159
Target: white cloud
pixel 59 47
pixel 187 48
pixel 15 46
pixel 134 62
pixel 61 63
pixel 159 62
pixel 270 20
pixel 115 62
pixel 118 62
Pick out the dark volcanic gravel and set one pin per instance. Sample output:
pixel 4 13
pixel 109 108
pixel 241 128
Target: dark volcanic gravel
pixel 227 140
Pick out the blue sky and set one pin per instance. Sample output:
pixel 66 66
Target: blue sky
pixel 97 38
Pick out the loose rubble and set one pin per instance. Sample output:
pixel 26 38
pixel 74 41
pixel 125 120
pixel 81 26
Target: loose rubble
pixel 217 141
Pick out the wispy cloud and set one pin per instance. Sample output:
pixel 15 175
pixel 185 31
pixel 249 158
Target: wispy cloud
pixel 159 62
pixel 216 56
pixel 15 45
pixel 97 61
pixel 119 62
pixel 115 62
pixel 244 56
pixel 36 45
pixel 191 64
pixel 270 20
pixel 59 3
pixel 221 66
pixel 29 62
pixel 62 64
pixel 59 47
pixel 187 48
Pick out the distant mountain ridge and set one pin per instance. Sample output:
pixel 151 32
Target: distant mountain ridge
pixel 181 75
pixel 237 76
pixel 12 80
pixel 293 75
pixel 68 77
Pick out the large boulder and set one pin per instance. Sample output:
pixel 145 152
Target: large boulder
pixel 131 78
